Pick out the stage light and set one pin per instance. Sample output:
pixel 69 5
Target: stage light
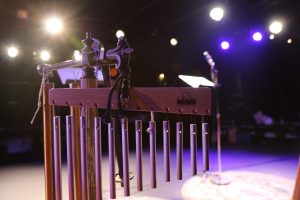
pixel 275 27
pixel 161 76
pixel 272 36
pixel 225 45
pixel 12 52
pixel 77 55
pixel 120 33
pixel 216 13
pixel 53 25
pixel 289 41
pixel 45 55
pixel 257 36
pixel 173 41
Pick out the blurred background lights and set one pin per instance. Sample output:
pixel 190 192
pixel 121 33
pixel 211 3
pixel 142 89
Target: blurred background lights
pixel 275 27
pixel 53 25
pixel 173 41
pixel 289 41
pixel 12 52
pixel 161 76
pixel 45 55
pixel 272 36
pixel 225 45
pixel 120 33
pixel 257 36
pixel 216 14
pixel 77 55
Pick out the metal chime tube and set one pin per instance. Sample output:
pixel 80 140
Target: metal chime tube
pixel 98 157
pixel 69 137
pixel 75 113
pixel 57 157
pixel 83 155
pixel 205 155
pixel 193 148
pixel 138 148
pixel 111 157
pixel 125 155
pixel 166 141
pixel 179 149
pixel 48 113
pixel 152 135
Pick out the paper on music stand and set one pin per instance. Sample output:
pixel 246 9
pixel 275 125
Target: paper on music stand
pixel 196 81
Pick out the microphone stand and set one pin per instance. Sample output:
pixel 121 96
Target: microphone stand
pixel 217 179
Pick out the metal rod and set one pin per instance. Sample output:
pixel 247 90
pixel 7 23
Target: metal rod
pixel 83 155
pixel 179 149
pixel 166 141
pixel 152 136
pixel 205 155
pixel 98 157
pixel 193 148
pixel 125 155
pixel 48 113
pixel 57 157
pixel 69 138
pixel 138 148
pixel 75 113
pixel 111 157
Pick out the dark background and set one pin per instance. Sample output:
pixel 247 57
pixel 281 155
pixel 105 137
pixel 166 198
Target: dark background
pixel 254 76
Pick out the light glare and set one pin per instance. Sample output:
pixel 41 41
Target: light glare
pixel 161 76
pixel 53 25
pixel 45 55
pixel 257 36
pixel 272 36
pixel 275 27
pixel 77 55
pixel 225 45
pixel 173 41
pixel 120 33
pixel 289 41
pixel 216 13
pixel 12 52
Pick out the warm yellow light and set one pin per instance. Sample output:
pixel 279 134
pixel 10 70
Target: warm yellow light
pixel 161 76
pixel 289 41
pixel 276 27
pixel 53 25
pixel 45 55
pixel 120 33
pixel 12 52
pixel 173 41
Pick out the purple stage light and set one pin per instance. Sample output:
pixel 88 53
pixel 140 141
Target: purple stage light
pixel 257 36
pixel 225 45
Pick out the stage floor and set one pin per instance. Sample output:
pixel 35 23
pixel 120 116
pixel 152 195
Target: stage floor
pixel 26 181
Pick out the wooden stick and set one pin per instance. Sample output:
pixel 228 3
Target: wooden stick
pixel 166 141
pixel 57 157
pixel 98 157
pixel 152 137
pixel 139 148
pixel 83 155
pixel 125 155
pixel 75 113
pixel 296 194
pixel 179 149
pixel 48 113
pixel 193 148
pixel 69 138
pixel 111 157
